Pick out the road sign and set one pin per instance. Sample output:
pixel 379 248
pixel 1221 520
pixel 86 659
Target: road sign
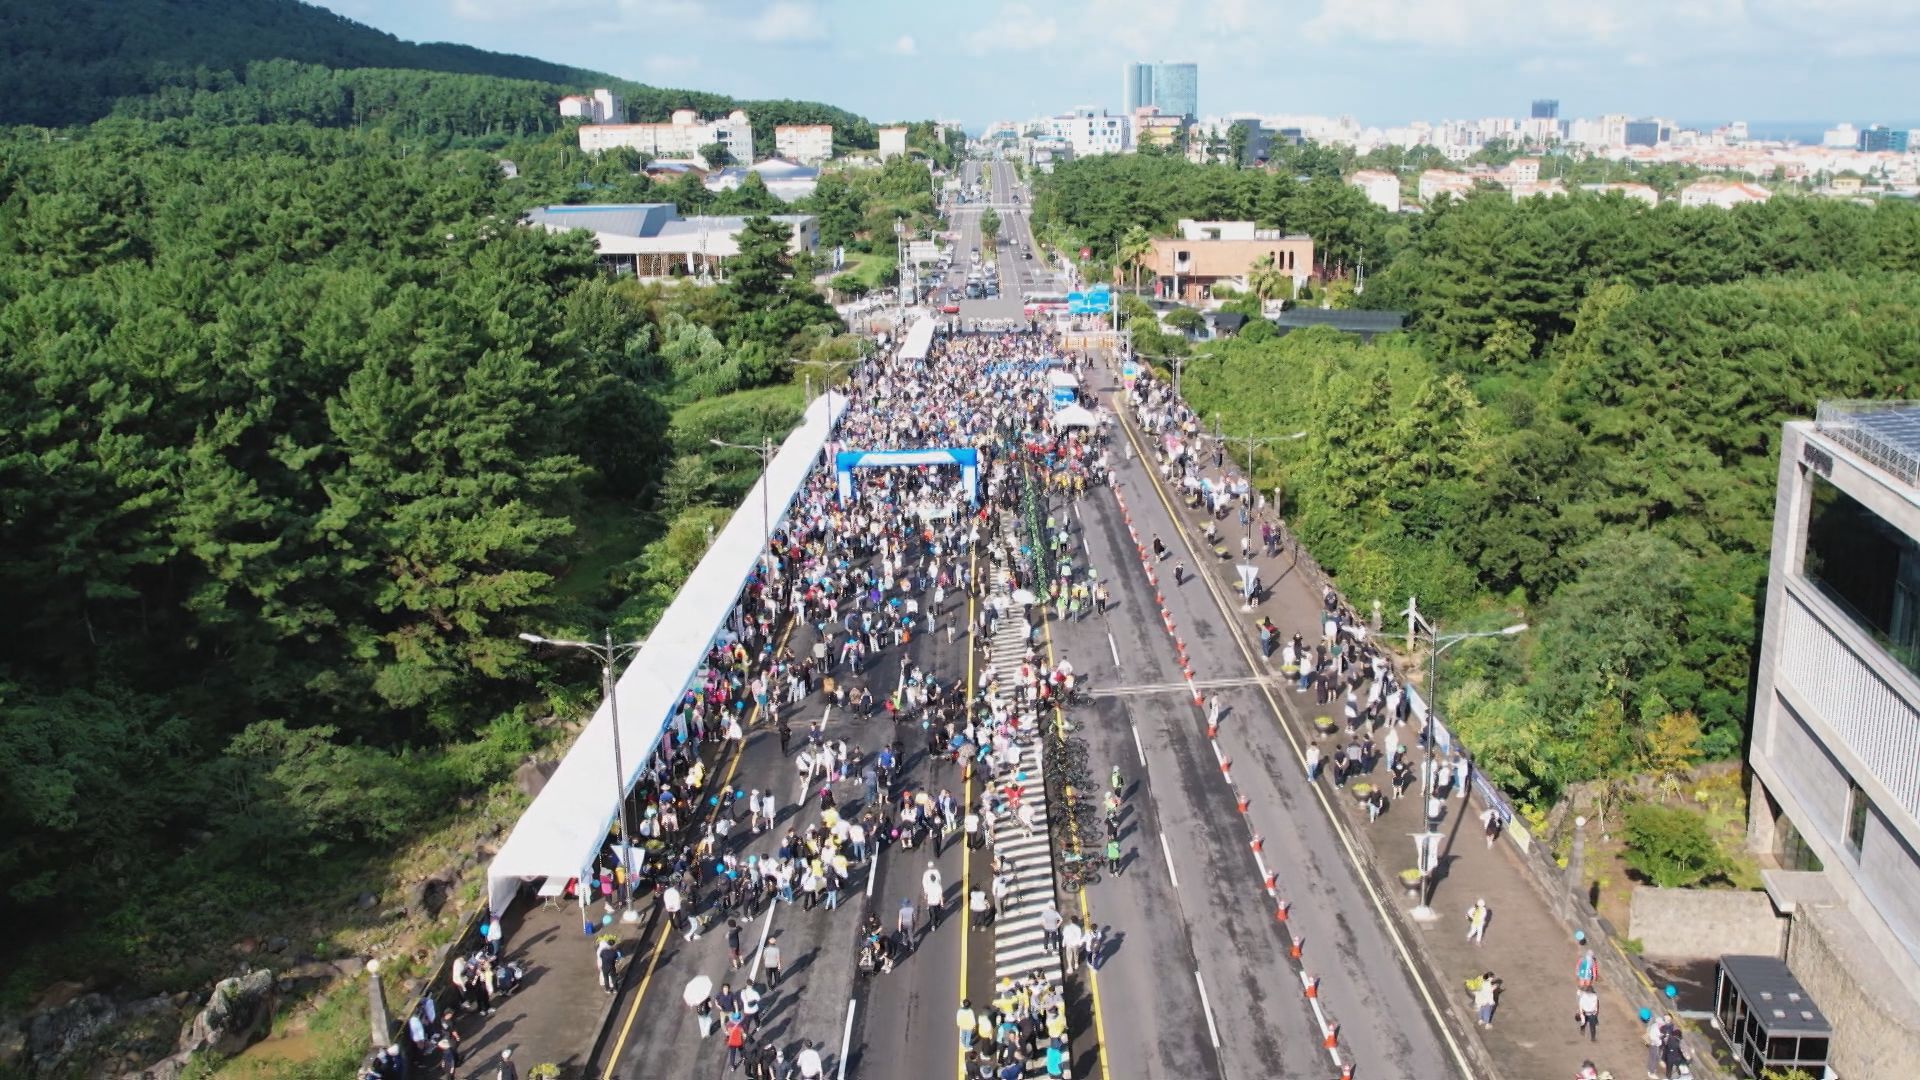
pixel 1092 302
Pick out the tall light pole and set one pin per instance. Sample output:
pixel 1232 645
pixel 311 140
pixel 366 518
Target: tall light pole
pixel 765 450
pixel 1252 441
pixel 1428 840
pixel 610 654
pixel 900 268
pixel 829 365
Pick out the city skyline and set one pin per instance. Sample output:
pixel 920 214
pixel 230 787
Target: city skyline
pixel 1379 61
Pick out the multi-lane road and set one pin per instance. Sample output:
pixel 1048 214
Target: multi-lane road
pixel 1197 983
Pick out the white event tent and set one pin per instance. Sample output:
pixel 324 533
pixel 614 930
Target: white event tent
pixel 561 833
pixel 919 340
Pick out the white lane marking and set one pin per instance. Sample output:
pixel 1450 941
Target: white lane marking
pixel 1213 1030
pixel 846 1038
pixel 1116 651
pixel 1137 748
pixel 872 869
pixel 764 927
pixel 1168 852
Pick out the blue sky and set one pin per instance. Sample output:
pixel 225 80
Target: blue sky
pixel 1381 61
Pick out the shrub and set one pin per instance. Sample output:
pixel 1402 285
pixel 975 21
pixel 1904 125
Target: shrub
pixel 1671 847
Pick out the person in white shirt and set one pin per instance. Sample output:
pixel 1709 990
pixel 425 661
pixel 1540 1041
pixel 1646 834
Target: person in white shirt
pixel 1071 938
pixel 807 1062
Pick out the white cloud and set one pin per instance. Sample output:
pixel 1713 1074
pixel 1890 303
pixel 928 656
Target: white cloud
pixel 786 21
pixel 1651 30
pixel 670 67
pixel 513 10
pixel 905 46
pixel 1014 27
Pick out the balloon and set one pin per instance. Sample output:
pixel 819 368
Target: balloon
pixel 1671 992
pixel 607 919
pixel 1646 1015
pixel 1580 935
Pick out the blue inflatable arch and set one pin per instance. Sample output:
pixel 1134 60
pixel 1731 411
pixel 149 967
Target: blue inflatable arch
pixel 848 460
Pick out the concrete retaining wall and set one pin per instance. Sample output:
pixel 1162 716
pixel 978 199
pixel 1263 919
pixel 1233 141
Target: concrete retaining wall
pixel 1695 923
pixel 1873 1038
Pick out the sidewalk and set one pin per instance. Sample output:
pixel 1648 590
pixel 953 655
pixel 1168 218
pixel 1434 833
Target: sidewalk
pixel 1533 1036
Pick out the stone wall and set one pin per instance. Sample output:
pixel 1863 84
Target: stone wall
pixel 1697 923
pixel 1875 1034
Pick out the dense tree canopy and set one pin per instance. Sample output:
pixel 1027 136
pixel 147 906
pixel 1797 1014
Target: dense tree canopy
pixel 1582 427
pixel 302 428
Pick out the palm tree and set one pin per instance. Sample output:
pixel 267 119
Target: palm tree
pixel 1267 281
pixel 1136 244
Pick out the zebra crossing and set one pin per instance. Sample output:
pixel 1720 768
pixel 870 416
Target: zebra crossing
pixel 1019 947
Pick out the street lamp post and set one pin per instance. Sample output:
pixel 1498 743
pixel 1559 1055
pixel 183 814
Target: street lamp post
pixel 1253 441
pixel 765 450
pixel 1429 840
pixel 900 269
pixel 610 654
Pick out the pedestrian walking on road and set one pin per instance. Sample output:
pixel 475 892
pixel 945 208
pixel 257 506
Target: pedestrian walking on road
pixel 733 943
pixel 1213 710
pixel 507 1071
pixel 770 959
pixel 1050 923
pixel 934 892
pixel 1096 944
pixel 1587 1004
pixel 1477 916
pixel 607 959
pixel 1486 997
pixel 1652 1037
pixel 1113 856
pixel 964 1020
pixel 1072 941
pixel 1492 825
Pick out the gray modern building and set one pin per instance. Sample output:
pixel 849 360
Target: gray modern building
pixel 1173 88
pixel 1835 812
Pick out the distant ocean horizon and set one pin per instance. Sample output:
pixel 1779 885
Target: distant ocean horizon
pixel 1799 131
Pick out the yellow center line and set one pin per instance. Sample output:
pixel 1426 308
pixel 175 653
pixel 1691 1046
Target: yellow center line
pixel 1181 528
pixel 1086 916
pixel 666 928
pixel 966 853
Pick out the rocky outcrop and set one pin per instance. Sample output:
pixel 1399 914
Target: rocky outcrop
pixel 55 1035
pixel 235 1016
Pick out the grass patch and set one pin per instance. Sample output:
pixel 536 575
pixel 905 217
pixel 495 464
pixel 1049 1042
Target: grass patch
pixel 608 533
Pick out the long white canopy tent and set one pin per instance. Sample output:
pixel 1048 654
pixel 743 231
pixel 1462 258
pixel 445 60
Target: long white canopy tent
pixel 562 831
pixel 919 340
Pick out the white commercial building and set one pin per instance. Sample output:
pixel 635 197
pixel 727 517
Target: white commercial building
pixel 603 106
pixel 893 142
pixel 1437 182
pixel 1835 758
pixel 680 137
pixel 1722 193
pixel 808 144
pixel 652 240
pixel 1637 192
pixel 1090 131
pixel 1381 188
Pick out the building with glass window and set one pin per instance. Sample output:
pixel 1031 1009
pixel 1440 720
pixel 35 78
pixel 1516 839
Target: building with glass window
pixel 1174 89
pixel 1835 810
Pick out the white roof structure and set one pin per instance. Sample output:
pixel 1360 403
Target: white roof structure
pixel 657 229
pixel 1074 416
pixel 1062 379
pixel 919 340
pixel 561 833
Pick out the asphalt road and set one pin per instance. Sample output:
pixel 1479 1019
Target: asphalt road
pixel 1017 275
pixel 1200 973
pixel 899 1024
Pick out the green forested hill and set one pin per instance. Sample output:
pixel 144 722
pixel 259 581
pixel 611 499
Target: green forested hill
pixel 66 62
